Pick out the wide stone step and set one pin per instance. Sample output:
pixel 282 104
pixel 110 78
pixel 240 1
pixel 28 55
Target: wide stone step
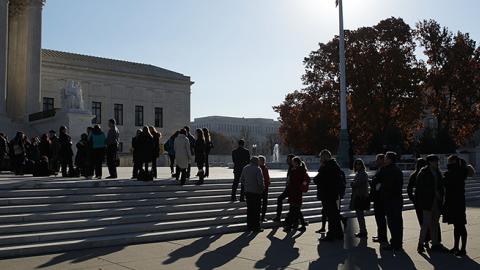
pixel 139 227
pixel 19 250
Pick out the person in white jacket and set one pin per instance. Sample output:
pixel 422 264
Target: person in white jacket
pixel 183 155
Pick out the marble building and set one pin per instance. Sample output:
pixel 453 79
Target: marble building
pixel 32 81
pixel 256 129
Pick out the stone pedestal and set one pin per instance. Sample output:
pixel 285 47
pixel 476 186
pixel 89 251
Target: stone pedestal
pixel 76 121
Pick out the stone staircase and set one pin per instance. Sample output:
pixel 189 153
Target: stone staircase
pixel 56 215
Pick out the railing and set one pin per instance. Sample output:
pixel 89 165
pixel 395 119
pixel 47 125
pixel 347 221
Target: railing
pixel 42 115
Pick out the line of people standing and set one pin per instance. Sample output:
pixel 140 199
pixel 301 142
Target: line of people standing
pixel 51 154
pixel 183 149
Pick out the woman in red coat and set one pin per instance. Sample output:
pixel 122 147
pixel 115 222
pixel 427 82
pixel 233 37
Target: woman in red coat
pixel 299 181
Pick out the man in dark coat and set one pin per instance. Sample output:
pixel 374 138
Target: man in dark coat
pixel 329 188
pixel 112 142
pixel 240 158
pixel 54 151
pixel 284 194
pixel 378 203
pixel 65 153
pixel 191 139
pixel 429 194
pixel 391 193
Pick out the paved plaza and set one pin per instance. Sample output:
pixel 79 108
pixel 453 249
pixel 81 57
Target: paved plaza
pixel 271 249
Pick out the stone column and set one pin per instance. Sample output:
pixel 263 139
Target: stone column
pixel 3 55
pixel 34 13
pixel 24 58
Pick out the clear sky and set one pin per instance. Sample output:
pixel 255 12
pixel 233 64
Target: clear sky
pixel 243 55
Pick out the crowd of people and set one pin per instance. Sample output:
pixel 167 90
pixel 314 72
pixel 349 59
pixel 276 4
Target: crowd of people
pixel 50 153
pixel 432 193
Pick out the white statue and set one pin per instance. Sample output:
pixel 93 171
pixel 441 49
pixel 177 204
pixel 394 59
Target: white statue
pixel 73 97
pixel 276 153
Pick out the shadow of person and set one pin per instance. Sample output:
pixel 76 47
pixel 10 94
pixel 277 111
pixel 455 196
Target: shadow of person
pixel 361 257
pixel 225 253
pixel 79 256
pixel 449 261
pixel 192 249
pixel 281 252
pixel 397 260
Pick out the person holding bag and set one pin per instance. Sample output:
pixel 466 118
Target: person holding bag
pixel 360 200
pixel 299 183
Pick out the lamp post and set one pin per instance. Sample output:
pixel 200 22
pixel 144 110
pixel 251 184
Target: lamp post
pixel 343 153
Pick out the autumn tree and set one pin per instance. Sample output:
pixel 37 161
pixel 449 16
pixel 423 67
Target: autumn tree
pixel 452 91
pixel 384 84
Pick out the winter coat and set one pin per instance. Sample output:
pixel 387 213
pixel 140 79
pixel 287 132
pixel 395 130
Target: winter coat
pixel 266 177
pixel 65 146
pixel 200 151
pixel 183 154
pixel 44 147
pixel 391 189
pixel 329 181
pixel 3 147
pixel 454 210
pixel 192 142
pixel 427 190
pixel 55 147
pixel 240 158
pixel 252 179
pixel 359 199
pixel 144 145
pixel 136 152
pixel 209 147
pixel 156 146
pixel 97 140
pixel 82 154
pixel 113 137
pixel 297 179
pixel 169 146
pixel 412 183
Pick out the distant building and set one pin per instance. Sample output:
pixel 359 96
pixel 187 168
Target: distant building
pixel 254 130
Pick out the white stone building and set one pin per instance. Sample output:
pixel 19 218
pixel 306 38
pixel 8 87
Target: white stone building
pixel 32 82
pixel 256 129
pixel 133 94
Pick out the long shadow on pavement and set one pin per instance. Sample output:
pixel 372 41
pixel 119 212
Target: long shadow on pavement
pixel 225 253
pixel 280 253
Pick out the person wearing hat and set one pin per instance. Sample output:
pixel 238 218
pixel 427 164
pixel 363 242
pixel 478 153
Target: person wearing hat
pixel 429 194
pixel 253 183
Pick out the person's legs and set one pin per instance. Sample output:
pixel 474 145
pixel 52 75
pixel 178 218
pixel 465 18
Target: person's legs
pixel 381 221
pixel 463 236
pixel 361 221
pixel 280 199
pixel 250 211
pixel 434 224
pixel 236 181
pixel 324 218
pixel 63 164
pixel 111 156
pixel 335 230
pixel 207 166
pixel 264 204
pixel 172 163
pixel 257 205
pixel 426 220
pixel 183 178
pixel 395 224
pixel 154 167
pixel 188 170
